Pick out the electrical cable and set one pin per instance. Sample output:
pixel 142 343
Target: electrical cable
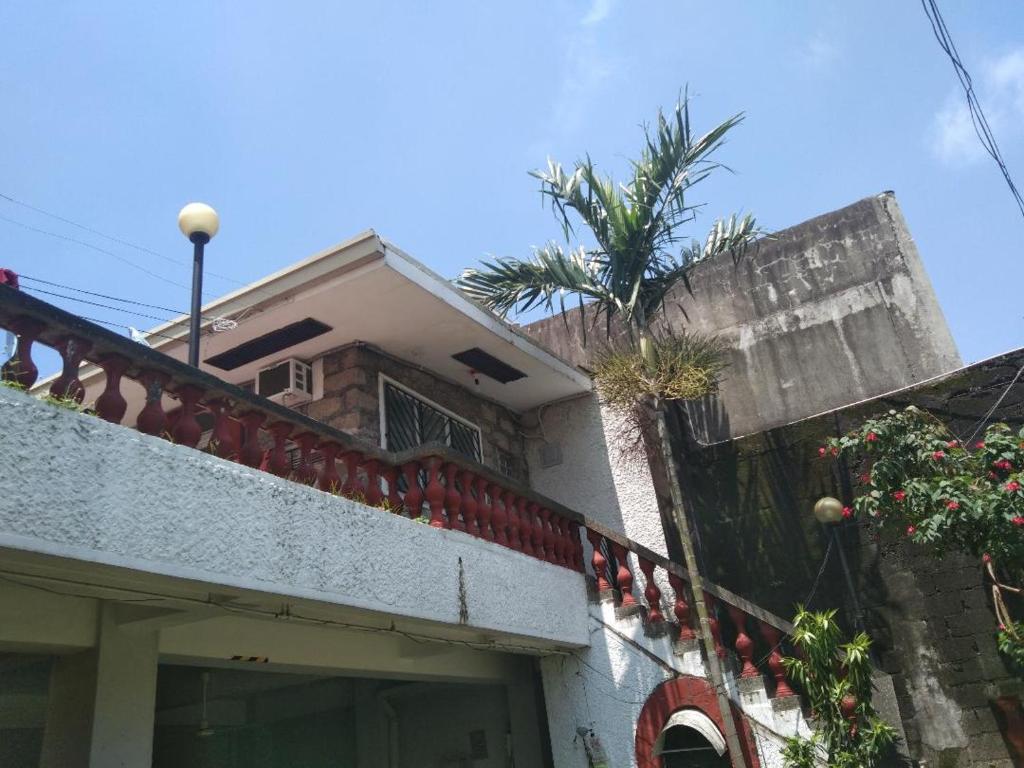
pixel 978 119
pixel 22 276
pixel 96 304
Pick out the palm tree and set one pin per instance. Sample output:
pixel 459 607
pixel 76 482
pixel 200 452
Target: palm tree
pixel 635 256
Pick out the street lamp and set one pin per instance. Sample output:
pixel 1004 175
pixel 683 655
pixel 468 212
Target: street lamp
pixel 199 223
pixel 829 512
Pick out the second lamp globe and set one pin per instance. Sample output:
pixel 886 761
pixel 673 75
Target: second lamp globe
pixel 198 220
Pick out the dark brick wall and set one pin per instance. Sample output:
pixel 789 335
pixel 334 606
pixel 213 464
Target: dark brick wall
pixel 351 402
pixel 932 620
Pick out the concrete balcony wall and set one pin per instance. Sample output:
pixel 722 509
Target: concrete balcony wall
pixel 74 486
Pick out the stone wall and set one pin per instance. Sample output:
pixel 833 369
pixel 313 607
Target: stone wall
pixel 751 500
pixel 351 402
pixel 832 311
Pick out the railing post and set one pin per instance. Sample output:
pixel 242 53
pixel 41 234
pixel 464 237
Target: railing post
pixel 775 665
pixel 600 565
pixel 390 474
pixel 744 643
pixel 469 506
pixel 305 473
pixel 434 492
pixel 655 618
pixel 484 510
pixel 529 526
pixel 498 517
pixel 374 493
pixel 576 549
pixel 512 521
pixel 714 625
pixel 329 480
pixel 352 488
pixel 223 438
pixel 72 351
pixel 548 536
pixel 452 497
pixel 624 580
pixel 680 608
pixel 187 430
pixel 21 368
pixel 251 452
pixel 413 501
pixel 111 405
pixel 152 419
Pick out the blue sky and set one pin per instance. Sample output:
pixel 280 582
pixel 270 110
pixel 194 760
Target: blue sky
pixel 420 120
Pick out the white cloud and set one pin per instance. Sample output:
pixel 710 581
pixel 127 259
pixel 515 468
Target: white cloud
pixel 599 11
pixel 999 86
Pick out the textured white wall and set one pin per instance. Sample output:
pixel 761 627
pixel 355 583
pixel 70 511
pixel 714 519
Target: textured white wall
pixel 602 475
pixel 75 486
pixel 605 686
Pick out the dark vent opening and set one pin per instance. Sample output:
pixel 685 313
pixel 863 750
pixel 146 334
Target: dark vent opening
pixel 268 344
pixel 489 365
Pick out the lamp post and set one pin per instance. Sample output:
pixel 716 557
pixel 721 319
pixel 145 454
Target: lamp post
pixel 829 512
pixel 199 223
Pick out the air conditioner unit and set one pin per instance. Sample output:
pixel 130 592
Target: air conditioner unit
pixel 289 382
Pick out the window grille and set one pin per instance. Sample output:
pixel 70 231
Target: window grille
pixel 410 422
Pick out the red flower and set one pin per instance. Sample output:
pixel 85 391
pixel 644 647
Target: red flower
pixel 865 478
pixel 911 530
pixel 952 444
pixel 1002 627
pixel 986 558
pixel 992 476
pixel 1002 464
pixel 953 505
pixel 822 451
pixel 980 444
pixel 1018 520
pixel 871 437
pixel 847 512
pixel 938 455
pixel 899 495
pixel 1012 486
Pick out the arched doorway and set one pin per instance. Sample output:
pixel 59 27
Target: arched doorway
pixel 691 740
pixel 680 725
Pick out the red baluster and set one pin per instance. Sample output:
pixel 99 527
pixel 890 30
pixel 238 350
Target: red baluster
pixel 111 405
pixel 536 530
pixel 72 351
pixel 563 544
pixel 528 524
pixel 483 510
pixel 152 419
pixel 452 498
pixel 624 576
pixel 599 562
pixel 498 516
pixel 744 643
pixel 775 665
pixel 329 480
pixel 548 536
pixel 576 551
pixel 374 494
pixel 21 368
pixel 652 593
pixel 352 487
pixel 848 707
pixel 251 452
pixel 714 625
pixel 680 608
pixel 222 441
pixel 187 430
pixel 512 521
pixel 279 463
pixel 434 492
pixel 390 475
pixel 413 493
pixel 305 473
pixel 469 505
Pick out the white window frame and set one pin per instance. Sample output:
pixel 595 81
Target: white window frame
pixel 383 379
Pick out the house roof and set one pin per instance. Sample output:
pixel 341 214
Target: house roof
pixel 366 289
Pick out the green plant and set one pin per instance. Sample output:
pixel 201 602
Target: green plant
pixel 836 679
pixel 917 478
pixel 635 255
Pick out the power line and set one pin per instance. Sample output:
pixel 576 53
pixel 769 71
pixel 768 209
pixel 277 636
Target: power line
pixel 22 276
pixel 978 119
pixel 96 304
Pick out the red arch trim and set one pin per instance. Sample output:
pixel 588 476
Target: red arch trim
pixel 685 692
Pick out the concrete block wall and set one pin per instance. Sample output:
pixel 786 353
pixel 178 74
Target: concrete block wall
pixel 351 402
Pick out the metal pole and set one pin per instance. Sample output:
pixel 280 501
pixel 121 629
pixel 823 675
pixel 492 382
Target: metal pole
pixel 858 617
pixel 199 239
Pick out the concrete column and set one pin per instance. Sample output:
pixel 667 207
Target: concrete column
pixel 102 702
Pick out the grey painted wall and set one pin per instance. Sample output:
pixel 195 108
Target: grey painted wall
pixel 834 310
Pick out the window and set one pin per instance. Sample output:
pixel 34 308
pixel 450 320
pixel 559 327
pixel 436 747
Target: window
pixel 410 421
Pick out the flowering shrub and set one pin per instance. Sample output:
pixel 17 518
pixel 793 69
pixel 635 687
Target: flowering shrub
pixel 836 678
pixel 916 477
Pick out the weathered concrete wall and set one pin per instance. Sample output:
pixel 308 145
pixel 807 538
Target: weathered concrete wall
pixel 829 312
pixel 351 402
pixel 72 485
pixel 581 455
pixel 932 621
